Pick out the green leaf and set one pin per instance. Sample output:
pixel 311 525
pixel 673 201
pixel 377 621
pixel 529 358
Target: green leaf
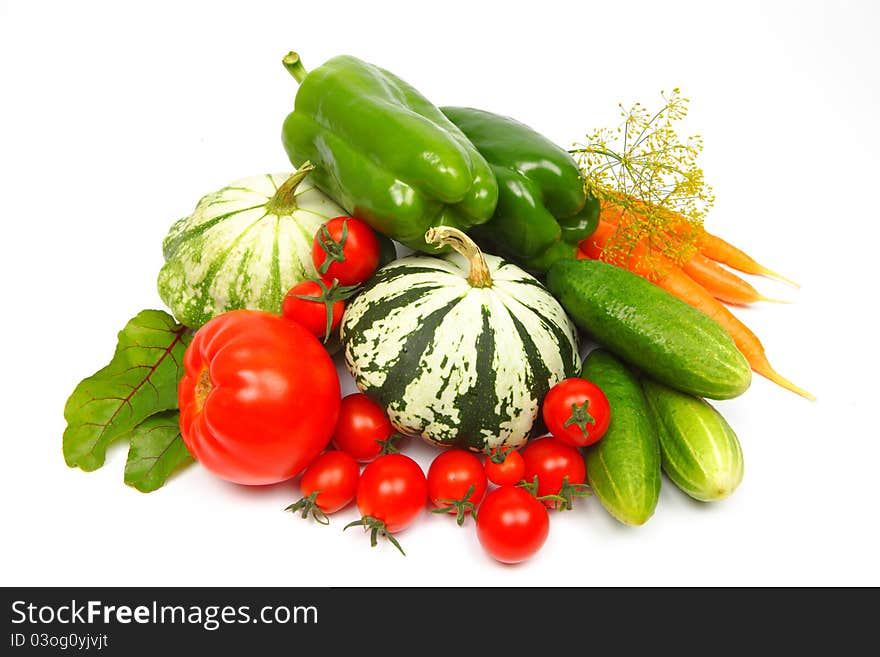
pixel 140 381
pixel 155 452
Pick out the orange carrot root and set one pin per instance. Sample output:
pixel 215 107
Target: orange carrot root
pixel 762 366
pixel 722 284
pixel 710 246
pixel 719 250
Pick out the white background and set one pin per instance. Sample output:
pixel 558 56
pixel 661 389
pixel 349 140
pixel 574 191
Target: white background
pixel 117 117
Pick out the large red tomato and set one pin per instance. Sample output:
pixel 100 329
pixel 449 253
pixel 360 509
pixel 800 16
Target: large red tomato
pixel 259 397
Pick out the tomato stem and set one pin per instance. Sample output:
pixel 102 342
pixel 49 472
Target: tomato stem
pixel 376 528
pixel 329 296
pixel 460 506
pixel 532 487
pixel 499 454
pixel 569 491
pixel 389 444
pixel 580 417
pixel 307 505
pixel 334 251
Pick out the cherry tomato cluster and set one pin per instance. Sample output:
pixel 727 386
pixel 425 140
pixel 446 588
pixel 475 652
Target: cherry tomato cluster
pixel 390 492
pixel 512 522
pixel 345 253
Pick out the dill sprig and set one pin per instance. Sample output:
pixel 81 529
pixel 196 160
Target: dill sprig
pixel 649 175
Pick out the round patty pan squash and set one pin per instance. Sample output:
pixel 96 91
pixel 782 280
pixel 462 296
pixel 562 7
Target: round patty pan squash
pixel 459 350
pixel 244 246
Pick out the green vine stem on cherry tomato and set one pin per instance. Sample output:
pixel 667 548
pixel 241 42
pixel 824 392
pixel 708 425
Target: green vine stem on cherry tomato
pixel 461 506
pixel 334 249
pixel 532 487
pixel 570 491
pixel 345 249
pixel 565 496
pixel 498 454
pixel 377 528
pixel 580 417
pixel 390 444
pixel 308 505
pixel 329 295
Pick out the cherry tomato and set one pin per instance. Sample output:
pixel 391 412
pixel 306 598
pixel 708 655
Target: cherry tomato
pixel 258 399
pixel 391 494
pixel 559 468
pixel 363 428
pixel 512 525
pixel 507 473
pixel 576 412
pixel 316 307
pixel 345 249
pixel 328 485
pixel 456 483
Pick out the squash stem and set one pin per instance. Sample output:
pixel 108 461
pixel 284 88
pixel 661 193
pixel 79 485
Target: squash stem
pixel 294 66
pixel 448 236
pixel 284 201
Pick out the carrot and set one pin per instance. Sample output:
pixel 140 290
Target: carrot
pixel 672 279
pixel 720 282
pixel 717 249
pixel 710 246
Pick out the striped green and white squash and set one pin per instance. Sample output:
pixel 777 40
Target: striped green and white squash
pixel 244 246
pixel 459 350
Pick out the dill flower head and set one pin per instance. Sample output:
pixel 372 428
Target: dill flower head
pixel 648 176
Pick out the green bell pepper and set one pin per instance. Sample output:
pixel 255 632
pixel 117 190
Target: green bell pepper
pixel 542 210
pixel 385 153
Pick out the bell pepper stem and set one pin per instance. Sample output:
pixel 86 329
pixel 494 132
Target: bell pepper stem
pixel 453 237
pixel 284 201
pixel 294 66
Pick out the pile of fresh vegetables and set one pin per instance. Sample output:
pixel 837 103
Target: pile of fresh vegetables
pixel 471 342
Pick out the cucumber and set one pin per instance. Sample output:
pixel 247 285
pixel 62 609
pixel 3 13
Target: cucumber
pixel 624 466
pixel 646 326
pixel 699 451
